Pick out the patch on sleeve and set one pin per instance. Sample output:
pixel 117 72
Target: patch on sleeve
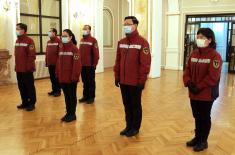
pixel 216 64
pixel 146 50
pixel 76 57
pixel 61 45
pixel 31 47
pixel 96 45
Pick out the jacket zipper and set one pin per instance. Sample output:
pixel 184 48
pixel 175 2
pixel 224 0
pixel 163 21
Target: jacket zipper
pixel 125 62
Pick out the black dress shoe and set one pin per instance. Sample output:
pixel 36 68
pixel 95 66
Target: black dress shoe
pixel 63 118
pixel 56 94
pixel 30 107
pixel 22 106
pixel 50 93
pixel 82 100
pixel 200 146
pixel 132 132
pixel 69 118
pixel 90 101
pixel 192 142
pixel 124 131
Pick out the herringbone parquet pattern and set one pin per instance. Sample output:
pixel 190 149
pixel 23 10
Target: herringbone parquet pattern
pixel 167 121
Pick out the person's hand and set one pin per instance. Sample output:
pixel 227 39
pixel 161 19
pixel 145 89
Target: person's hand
pixel 117 83
pixel 193 88
pixel 141 86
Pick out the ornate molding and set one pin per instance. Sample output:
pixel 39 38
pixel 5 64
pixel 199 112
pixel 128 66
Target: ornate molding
pixel 5 71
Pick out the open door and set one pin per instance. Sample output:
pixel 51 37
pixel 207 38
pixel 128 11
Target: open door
pixel 231 55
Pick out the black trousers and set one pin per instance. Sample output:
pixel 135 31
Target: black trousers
pixel 131 96
pixel 26 87
pixel 202 115
pixel 54 81
pixel 88 79
pixel 70 95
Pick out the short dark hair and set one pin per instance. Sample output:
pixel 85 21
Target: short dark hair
pixel 209 34
pixel 54 30
pixel 134 19
pixel 22 26
pixel 88 26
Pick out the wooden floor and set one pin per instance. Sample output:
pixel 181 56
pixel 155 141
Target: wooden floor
pixel 167 121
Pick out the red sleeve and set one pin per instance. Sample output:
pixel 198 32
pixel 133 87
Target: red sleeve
pixel 214 72
pixel 95 49
pixel 117 64
pixel 187 72
pixel 77 65
pixel 145 62
pixel 31 56
pixel 46 55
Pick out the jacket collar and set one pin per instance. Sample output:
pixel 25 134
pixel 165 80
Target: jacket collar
pixel 132 36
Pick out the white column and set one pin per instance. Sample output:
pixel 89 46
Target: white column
pixel 173 41
pixel 10 31
pixel 156 38
pixel 98 24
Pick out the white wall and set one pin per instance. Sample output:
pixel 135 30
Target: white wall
pixel 176 15
pixel 119 10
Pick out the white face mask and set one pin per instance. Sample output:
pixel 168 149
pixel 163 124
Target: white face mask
pixel 85 32
pixel 201 43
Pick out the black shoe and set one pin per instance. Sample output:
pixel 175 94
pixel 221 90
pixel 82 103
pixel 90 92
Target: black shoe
pixel 63 118
pixel 69 118
pixel 200 146
pixel 22 106
pixel 124 131
pixel 132 132
pixel 56 94
pixel 90 101
pixel 82 100
pixel 50 93
pixel 30 107
pixel 192 142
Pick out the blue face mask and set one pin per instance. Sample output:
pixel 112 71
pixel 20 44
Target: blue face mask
pixel 127 29
pixel 18 33
pixel 65 40
pixel 50 34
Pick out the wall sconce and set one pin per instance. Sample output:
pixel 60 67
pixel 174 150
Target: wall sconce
pixel 8 4
pixel 78 15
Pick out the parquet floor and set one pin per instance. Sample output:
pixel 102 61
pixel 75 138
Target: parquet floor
pixel 167 121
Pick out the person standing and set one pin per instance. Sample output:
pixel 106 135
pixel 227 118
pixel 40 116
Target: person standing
pixel 90 55
pixel 131 69
pixel 68 71
pixel 52 51
pixel 202 77
pixel 25 56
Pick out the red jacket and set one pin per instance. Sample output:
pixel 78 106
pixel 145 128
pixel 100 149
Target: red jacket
pixel 52 51
pixel 68 67
pixel 25 54
pixel 133 60
pixel 204 69
pixel 89 51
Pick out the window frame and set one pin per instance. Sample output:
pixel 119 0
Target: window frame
pixel 41 51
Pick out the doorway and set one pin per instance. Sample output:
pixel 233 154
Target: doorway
pixel 223 26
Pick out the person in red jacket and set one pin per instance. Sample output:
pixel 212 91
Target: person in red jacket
pixel 68 71
pixel 52 52
pixel 25 56
pixel 131 69
pixel 90 55
pixel 202 76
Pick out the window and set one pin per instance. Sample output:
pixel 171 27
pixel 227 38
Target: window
pixel 40 16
